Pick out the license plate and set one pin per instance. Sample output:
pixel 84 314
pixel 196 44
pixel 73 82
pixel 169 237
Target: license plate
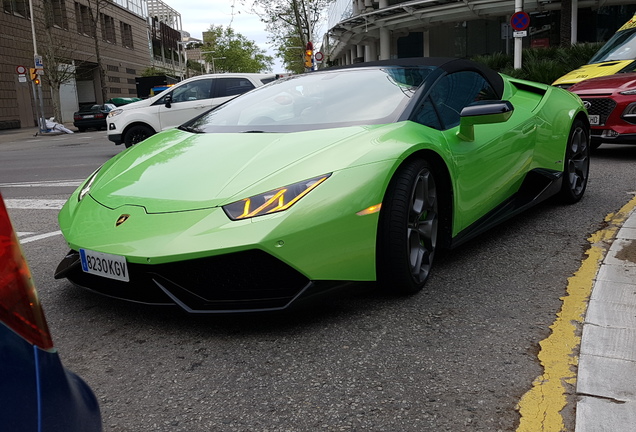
pixel 89 116
pixel 105 265
pixel 594 120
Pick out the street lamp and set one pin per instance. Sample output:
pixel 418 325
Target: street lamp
pixel 207 66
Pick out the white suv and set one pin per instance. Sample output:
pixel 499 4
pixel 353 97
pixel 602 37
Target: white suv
pixel 135 122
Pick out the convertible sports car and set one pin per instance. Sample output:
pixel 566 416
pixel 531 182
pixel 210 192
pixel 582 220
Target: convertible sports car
pixel 358 173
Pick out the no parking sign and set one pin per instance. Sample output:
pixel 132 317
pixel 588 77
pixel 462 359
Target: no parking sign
pixel 520 21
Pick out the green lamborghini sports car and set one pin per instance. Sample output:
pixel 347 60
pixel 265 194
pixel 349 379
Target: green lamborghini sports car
pixel 359 173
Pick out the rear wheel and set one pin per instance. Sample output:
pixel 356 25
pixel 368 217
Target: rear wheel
pixel 137 134
pixel 576 165
pixel 408 228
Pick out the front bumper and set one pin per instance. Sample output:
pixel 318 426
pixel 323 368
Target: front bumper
pixel 249 281
pixel 601 136
pixel 116 138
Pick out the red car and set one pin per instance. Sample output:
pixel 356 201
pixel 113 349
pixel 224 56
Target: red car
pixel 611 105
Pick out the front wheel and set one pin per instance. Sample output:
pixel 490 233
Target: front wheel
pixel 137 134
pixel 576 164
pixel 408 228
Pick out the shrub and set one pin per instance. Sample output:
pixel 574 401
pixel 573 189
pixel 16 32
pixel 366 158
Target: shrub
pixel 543 65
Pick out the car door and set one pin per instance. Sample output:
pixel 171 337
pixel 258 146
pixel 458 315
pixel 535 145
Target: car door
pixel 185 102
pixel 489 169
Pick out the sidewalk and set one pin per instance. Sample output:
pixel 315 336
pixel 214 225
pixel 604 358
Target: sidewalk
pixel 606 382
pixel 31 132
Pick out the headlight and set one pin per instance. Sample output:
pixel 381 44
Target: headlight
pixel 87 186
pixel 115 112
pixel 273 201
pixel 629 92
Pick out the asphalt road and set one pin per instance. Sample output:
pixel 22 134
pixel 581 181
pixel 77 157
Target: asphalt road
pixel 456 357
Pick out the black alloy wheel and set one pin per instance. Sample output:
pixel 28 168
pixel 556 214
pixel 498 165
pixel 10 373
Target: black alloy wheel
pixel 576 165
pixel 137 134
pixel 408 228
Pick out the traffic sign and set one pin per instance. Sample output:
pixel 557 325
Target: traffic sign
pixel 319 56
pixel 520 21
pixel 21 70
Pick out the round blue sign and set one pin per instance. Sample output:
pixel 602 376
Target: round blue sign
pixel 520 21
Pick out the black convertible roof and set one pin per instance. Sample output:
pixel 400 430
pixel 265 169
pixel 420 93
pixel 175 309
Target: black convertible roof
pixel 448 64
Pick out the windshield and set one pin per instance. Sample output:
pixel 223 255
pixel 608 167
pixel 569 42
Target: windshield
pixel 622 46
pixel 318 100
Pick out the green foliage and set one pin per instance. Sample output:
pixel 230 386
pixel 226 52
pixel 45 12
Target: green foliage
pixel 152 71
pixel 233 52
pixel 291 53
pixel 291 24
pixel 543 65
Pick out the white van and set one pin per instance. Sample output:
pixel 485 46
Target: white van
pixel 137 121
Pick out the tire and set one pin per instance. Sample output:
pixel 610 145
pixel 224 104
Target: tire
pixel 576 165
pixel 137 134
pixel 408 229
pixel 595 145
pixel 82 129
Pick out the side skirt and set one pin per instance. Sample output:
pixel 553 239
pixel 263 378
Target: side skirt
pixel 539 185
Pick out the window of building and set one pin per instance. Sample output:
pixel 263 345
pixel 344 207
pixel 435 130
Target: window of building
pixel 137 7
pixel 17 7
pixel 83 20
pixel 126 35
pixel 55 13
pixel 108 27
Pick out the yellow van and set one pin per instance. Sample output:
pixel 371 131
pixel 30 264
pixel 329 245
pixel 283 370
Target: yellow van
pixel 617 55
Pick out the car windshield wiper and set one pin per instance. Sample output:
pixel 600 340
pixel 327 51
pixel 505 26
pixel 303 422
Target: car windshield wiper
pixel 254 131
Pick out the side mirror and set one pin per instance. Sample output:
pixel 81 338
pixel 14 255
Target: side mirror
pixel 482 112
pixel 168 100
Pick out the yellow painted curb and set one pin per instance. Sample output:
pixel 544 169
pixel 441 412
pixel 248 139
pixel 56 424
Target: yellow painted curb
pixel 541 406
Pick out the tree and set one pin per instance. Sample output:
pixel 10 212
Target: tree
pixel 57 52
pixel 291 24
pixel 94 10
pixel 229 51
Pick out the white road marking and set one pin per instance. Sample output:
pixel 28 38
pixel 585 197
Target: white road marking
pixel 34 204
pixel 40 237
pixel 46 183
pixel 24 233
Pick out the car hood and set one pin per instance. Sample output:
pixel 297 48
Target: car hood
pixel 593 70
pixel 606 85
pixel 179 171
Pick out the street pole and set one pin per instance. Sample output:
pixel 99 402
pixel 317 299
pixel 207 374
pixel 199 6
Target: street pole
pixel 37 88
pixel 518 40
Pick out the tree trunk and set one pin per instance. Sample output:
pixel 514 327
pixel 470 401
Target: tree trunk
pixel 55 98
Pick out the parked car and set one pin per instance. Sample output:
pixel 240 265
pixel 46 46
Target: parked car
pixel 611 105
pixel 617 55
pixel 38 393
pixel 92 117
pixel 120 101
pixel 360 173
pixel 137 121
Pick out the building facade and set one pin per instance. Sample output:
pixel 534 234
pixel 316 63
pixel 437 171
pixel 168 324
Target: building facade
pixel 367 30
pixel 78 35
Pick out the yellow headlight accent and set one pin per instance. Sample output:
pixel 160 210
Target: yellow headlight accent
pixel 273 201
